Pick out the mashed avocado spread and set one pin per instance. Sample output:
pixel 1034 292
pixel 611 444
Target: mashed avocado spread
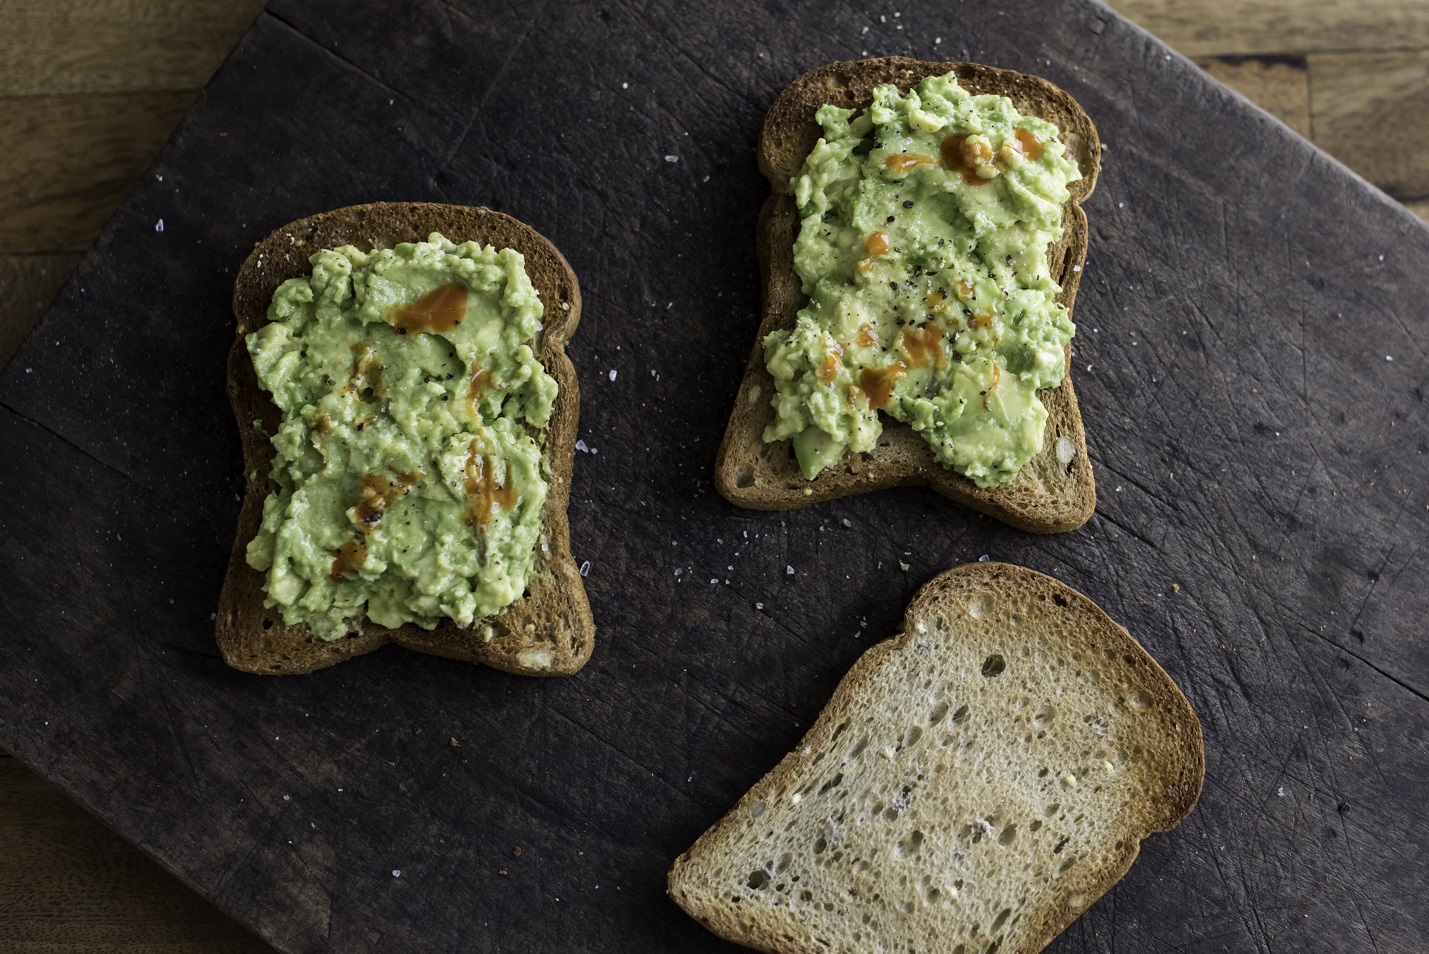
pixel 408 485
pixel 925 223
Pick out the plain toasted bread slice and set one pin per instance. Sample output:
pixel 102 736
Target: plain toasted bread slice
pixel 1055 491
pixel 974 784
pixel 549 631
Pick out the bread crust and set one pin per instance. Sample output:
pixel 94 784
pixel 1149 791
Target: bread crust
pixel 549 630
pixel 1173 745
pixel 1047 496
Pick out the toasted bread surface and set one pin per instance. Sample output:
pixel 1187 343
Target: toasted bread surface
pixel 974 783
pixel 549 630
pixel 1055 491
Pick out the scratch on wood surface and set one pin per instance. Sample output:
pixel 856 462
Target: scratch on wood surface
pixel 72 445
pixel 1150 490
pixel 1359 910
pixel 1124 528
pixel 339 59
pixel 141 648
pixel 1410 338
pixel 533 21
pixel 710 75
pixel 462 14
pixel 609 744
pixel 216 890
pixel 1176 947
pixel 1384 562
pixel 1247 922
pixel 1289 525
pixel 1419 693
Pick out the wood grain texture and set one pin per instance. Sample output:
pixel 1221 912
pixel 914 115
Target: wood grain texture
pixel 1292 629
pixel 69 160
pixel 1279 85
pixel 58 861
pixel 1250 27
pixel 27 286
pixel 84 46
pixel 1371 110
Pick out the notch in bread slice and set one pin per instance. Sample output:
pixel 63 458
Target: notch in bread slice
pixel 1053 491
pixel 973 785
pixel 547 629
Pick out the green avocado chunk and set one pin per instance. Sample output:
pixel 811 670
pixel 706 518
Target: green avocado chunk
pixel 925 224
pixel 409 485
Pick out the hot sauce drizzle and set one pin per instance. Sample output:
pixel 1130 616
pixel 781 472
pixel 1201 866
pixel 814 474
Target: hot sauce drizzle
pixel 905 162
pixel 1025 142
pixel 440 310
pixel 877 383
pixel 958 159
pixel 830 368
pixel 996 377
pixel 484 495
pixel 347 560
pixel 480 381
pixel 982 321
pixel 924 346
pixel 376 493
pixel 366 371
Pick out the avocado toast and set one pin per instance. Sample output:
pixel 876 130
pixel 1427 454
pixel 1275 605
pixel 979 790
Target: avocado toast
pixel 547 630
pixel 1054 490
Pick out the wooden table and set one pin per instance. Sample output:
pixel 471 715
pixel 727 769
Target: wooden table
pixel 89 91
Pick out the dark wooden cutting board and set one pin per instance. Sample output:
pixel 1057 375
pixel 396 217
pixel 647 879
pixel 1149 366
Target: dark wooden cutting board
pixel 1251 367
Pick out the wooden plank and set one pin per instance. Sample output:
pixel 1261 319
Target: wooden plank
pixel 1278 85
pixel 57 860
pixel 1250 27
pixel 1419 208
pixel 1369 110
pixel 83 46
pixel 1249 440
pixel 69 160
pixel 27 286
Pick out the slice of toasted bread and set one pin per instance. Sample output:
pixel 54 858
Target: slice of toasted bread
pixel 549 630
pixel 974 784
pixel 1055 490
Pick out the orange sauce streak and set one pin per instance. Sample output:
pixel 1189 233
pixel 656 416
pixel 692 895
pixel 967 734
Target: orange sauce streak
pixel 934 302
pixel 483 493
pixel 877 244
pixel 831 365
pixel 1028 144
pixel 877 383
pixel 965 289
pixel 996 377
pixel 347 560
pixel 982 321
pixel 924 346
pixel 366 370
pixel 905 162
pixel 440 310
pixel 953 158
pixel 866 338
pixel 480 381
pixel 376 493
